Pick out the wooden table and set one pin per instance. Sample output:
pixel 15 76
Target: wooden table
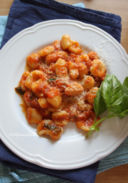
pixel 120 7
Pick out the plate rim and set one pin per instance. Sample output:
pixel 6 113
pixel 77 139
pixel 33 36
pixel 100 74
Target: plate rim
pixel 34 28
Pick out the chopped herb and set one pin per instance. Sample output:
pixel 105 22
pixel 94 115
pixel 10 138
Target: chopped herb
pixel 50 126
pixel 19 90
pixel 51 79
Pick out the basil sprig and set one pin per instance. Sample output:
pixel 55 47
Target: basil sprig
pixel 112 97
pixel 51 80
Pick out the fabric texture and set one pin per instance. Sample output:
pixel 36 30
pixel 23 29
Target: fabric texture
pixel 25 13
pixel 3 21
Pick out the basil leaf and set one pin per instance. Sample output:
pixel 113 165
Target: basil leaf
pixel 99 104
pixel 125 85
pixel 113 97
pixel 118 101
pixel 123 114
pixel 111 89
pixel 124 106
pixel 117 106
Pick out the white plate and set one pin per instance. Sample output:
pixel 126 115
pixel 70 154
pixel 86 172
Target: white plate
pixel 73 150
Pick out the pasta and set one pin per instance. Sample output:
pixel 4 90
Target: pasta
pixel 59 86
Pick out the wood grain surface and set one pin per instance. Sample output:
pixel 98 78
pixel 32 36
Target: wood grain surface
pixel 120 7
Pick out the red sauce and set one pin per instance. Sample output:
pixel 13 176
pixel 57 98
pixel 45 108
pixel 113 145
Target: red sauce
pixel 46 92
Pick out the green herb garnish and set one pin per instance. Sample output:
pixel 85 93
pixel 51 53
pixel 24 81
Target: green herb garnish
pixel 51 79
pixel 112 97
pixel 19 90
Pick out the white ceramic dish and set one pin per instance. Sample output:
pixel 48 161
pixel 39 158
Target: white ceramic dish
pixel 73 150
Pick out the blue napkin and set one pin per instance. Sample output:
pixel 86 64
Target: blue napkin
pixel 3 21
pixel 25 13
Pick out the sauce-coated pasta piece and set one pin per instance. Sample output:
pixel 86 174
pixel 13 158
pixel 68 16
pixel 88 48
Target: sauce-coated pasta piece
pixel 46 50
pixel 93 55
pixel 60 115
pixel 91 94
pixel 75 48
pixel 43 102
pixel 52 58
pixel 88 82
pixel 74 89
pixel 49 128
pixel 55 101
pixel 23 80
pixel 98 69
pixel 33 60
pixel 65 42
pixel 74 73
pixel 87 123
pixel 33 116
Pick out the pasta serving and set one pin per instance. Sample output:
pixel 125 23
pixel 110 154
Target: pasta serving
pixel 59 87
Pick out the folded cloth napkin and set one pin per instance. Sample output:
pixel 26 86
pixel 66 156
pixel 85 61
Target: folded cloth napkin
pixel 25 13
pixel 3 21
